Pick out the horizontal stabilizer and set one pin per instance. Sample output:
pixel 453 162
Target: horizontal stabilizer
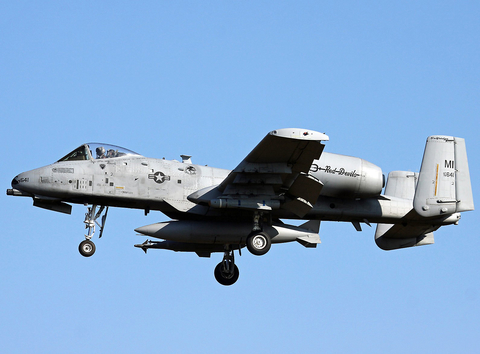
pixel 391 237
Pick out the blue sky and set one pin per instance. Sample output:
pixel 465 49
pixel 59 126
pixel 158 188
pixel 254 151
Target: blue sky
pixel 210 79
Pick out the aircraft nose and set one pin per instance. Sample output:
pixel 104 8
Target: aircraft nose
pixel 15 188
pixel 22 180
pixel 14 181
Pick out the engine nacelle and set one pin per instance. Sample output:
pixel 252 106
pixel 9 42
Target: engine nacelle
pixel 347 176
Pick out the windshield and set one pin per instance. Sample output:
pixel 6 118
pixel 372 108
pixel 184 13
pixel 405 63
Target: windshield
pixel 97 151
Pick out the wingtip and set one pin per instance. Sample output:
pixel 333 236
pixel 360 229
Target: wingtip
pixel 301 134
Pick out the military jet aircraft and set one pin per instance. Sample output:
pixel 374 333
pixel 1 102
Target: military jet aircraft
pixel 286 176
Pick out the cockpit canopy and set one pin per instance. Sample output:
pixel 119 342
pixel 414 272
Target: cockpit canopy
pixel 94 151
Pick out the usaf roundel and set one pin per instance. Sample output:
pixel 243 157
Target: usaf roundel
pixel 159 177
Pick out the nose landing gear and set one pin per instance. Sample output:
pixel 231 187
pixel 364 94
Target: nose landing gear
pixel 87 247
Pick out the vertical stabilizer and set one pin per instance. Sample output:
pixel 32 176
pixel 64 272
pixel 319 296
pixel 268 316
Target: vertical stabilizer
pixel 444 181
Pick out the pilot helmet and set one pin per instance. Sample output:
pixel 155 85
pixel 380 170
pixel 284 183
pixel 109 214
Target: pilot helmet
pixel 100 151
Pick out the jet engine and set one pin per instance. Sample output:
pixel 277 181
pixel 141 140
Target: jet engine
pixel 347 177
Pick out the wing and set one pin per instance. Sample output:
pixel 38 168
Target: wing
pixel 275 174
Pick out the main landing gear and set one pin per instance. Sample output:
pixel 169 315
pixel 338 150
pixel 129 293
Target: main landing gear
pixel 226 272
pixel 258 242
pixel 87 247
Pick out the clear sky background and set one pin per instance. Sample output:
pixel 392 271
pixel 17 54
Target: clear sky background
pixel 211 79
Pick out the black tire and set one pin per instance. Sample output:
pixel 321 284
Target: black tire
pixel 259 243
pixel 86 248
pixel 226 278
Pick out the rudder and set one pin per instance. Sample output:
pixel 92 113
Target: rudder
pixel 462 177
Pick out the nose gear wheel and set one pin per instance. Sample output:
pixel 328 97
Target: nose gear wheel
pixel 86 248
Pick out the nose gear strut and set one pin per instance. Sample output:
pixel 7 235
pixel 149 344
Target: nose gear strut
pixel 87 247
